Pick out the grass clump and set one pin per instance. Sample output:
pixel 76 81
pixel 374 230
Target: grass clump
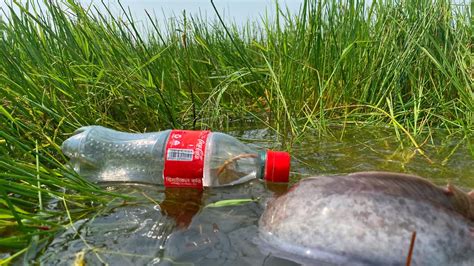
pixel 402 63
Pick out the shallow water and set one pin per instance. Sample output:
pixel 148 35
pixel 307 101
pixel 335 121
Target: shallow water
pixel 174 226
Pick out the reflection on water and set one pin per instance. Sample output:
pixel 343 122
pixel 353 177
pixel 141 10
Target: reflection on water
pixel 144 232
pixel 173 226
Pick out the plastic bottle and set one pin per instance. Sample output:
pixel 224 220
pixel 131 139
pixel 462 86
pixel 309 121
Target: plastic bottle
pixel 175 158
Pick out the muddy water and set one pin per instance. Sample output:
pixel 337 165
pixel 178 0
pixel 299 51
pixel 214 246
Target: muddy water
pixel 174 227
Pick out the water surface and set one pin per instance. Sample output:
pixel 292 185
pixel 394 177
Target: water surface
pixel 173 227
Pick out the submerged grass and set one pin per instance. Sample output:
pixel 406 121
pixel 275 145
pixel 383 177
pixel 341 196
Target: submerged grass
pixel 408 64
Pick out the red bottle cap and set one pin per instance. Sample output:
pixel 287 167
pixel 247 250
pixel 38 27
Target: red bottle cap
pixel 277 166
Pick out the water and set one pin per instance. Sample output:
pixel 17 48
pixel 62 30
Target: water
pixel 174 227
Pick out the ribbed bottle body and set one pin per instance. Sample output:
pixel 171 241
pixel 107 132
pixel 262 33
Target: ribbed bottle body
pixel 105 155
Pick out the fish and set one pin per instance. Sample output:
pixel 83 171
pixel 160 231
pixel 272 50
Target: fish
pixel 370 218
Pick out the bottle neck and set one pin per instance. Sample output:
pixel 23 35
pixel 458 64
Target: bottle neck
pixel 262 155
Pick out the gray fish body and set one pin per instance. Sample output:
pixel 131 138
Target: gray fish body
pixel 368 219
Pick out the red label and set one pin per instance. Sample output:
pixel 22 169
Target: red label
pixel 184 158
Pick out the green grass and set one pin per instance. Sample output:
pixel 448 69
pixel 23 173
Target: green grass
pixel 407 64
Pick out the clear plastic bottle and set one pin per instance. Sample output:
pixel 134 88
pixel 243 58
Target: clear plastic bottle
pixel 175 158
